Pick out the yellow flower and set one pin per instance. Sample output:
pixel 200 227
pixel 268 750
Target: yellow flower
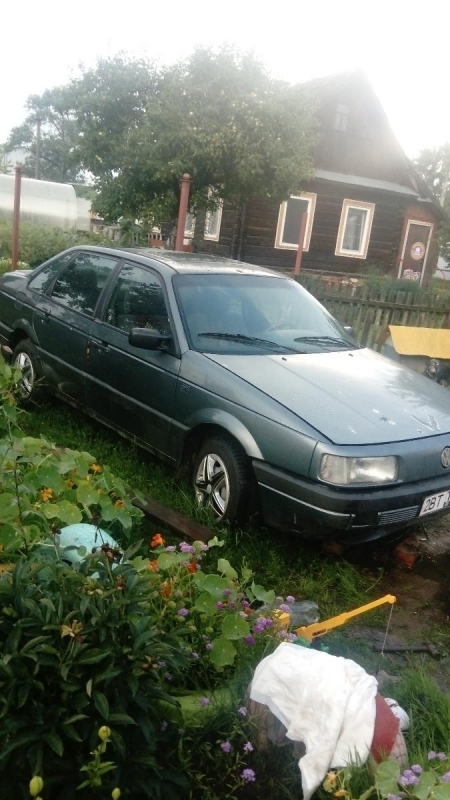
pixel 329 783
pixel 69 483
pixel 95 468
pixel 341 793
pixel 73 630
pixel 46 494
pixel 104 733
pixel 119 504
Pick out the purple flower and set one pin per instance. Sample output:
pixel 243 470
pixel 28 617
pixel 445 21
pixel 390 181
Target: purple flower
pixel 204 546
pixel 170 549
pixel 393 797
pixel 209 646
pixel 242 710
pixel 226 592
pixel 416 768
pixel 248 747
pixel 220 605
pixel 245 604
pixel 164 725
pixel 441 756
pixel 182 612
pixel 268 623
pixel 168 676
pixel 226 747
pixel 231 605
pixel 279 599
pixel 248 775
pixel 446 777
pixel 290 599
pixel 258 627
pixel 285 608
pixel 162 664
pixel 249 640
pixel 431 755
pixel 204 701
pixel 186 548
pixel 287 636
pixel 195 656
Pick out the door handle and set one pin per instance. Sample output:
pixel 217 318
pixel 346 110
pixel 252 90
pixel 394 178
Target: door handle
pixel 44 317
pixel 102 347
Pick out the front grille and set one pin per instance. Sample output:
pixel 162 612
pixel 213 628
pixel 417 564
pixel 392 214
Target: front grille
pixel 397 515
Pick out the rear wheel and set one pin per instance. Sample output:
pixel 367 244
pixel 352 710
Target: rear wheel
pixel 443 376
pixel 221 479
pixel 24 357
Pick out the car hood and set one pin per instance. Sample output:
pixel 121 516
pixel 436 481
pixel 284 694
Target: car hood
pixel 351 397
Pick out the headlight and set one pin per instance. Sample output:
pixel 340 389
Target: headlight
pixel 344 470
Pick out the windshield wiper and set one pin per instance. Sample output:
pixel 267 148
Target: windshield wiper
pixel 327 340
pixel 250 340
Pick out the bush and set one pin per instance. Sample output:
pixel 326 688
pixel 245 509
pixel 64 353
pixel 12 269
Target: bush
pixel 37 243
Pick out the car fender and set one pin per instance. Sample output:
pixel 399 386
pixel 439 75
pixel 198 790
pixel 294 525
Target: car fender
pixel 25 326
pixel 228 423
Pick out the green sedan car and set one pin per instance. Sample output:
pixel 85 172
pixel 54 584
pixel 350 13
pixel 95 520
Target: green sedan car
pixel 240 376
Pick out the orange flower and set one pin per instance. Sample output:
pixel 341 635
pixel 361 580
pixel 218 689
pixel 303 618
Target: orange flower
pixel 153 566
pixel 46 494
pixel 119 504
pixel 95 468
pixel 192 567
pixel 157 541
pixel 166 590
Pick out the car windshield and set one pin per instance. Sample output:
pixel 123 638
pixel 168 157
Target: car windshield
pixel 255 314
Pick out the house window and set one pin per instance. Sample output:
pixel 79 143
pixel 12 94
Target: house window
pixel 213 221
pixel 354 229
pixel 289 221
pixel 189 228
pixel 341 118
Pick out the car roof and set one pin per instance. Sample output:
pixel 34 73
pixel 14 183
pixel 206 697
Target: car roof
pixel 188 262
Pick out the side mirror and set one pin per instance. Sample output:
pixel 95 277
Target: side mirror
pixel 148 339
pixel 349 329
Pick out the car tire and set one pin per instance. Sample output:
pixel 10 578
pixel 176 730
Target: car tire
pixel 24 357
pixel 221 479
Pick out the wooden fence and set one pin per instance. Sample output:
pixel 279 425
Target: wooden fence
pixel 369 309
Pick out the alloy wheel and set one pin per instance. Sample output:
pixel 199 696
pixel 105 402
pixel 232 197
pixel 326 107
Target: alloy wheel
pixel 212 484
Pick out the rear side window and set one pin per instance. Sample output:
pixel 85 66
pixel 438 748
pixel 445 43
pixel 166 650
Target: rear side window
pixel 80 285
pixel 44 278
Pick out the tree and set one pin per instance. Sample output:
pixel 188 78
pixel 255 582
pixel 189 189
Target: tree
pixel 53 112
pixel 217 116
pixel 433 164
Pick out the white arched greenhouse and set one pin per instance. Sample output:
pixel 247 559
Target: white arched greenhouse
pixel 47 203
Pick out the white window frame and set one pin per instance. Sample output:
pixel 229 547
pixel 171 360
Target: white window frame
pixel 189 227
pixel 365 239
pixel 279 243
pixel 213 237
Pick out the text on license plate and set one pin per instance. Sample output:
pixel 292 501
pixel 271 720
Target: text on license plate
pixel 435 502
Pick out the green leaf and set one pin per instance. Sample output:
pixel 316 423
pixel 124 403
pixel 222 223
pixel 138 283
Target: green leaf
pixel 235 627
pixel 87 495
pixel 223 652
pixel 101 704
pixel 426 782
pixel 89 687
pixel 121 719
pixel 165 561
pixel 225 568
pixel 206 604
pixel 69 513
pixel 92 656
pixel 262 595
pixel 386 778
pixel 215 586
pixel 55 742
pixel 441 792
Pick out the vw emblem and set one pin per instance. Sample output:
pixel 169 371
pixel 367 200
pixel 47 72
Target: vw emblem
pixel 445 457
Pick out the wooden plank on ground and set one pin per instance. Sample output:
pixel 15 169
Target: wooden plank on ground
pixel 177 522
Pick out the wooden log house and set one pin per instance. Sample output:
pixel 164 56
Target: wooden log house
pixel 366 205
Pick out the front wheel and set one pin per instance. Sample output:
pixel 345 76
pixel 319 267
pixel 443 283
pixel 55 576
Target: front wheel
pixel 221 479
pixel 24 357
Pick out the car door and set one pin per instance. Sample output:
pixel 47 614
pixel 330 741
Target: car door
pixel 131 388
pixel 63 318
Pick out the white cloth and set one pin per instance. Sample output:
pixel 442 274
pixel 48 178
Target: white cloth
pixel 324 701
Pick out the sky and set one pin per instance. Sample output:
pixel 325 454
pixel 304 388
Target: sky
pixel 401 46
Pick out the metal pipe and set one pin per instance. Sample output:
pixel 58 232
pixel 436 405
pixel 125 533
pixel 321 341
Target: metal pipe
pixel 38 149
pixel 301 240
pixel 16 219
pixel 182 211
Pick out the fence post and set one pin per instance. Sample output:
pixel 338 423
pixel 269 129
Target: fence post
pixel 16 219
pixel 182 211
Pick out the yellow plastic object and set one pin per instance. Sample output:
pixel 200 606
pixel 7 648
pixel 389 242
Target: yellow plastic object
pixel 311 632
pixel 431 342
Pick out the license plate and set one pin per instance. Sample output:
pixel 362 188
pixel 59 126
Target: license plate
pixel 435 502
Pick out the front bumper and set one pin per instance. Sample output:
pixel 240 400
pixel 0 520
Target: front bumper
pixel 354 514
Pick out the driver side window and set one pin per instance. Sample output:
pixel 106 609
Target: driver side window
pixel 137 301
